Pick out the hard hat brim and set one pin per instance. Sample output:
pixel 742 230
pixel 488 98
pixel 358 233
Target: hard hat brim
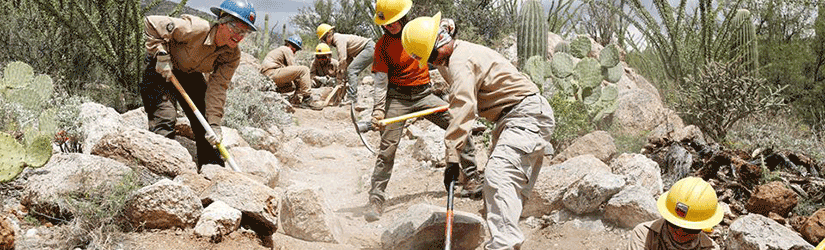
pixel 431 39
pixel 217 12
pixel 401 14
pixel 714 220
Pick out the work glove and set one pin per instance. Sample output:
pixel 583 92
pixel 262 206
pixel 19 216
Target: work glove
pixel 377 115
pixel 164 66
pixel 214 140
pixel 451 174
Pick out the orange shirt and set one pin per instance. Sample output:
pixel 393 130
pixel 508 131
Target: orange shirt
pixel 401 69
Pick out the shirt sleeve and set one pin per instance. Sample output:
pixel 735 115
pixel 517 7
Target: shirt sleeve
pixel 380 92
pixel 379 63
pixel 638 237
pixel 463 105
pixel 160 30
pixel 217 86
pixel 341 46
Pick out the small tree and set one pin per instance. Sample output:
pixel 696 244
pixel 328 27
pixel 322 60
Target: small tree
pixel 722 94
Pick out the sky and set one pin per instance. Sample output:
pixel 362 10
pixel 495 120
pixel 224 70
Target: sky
pixel 280 11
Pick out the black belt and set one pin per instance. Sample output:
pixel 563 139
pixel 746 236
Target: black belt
pixel 506 110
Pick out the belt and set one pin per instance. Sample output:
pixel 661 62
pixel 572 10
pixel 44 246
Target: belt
pixel 506 110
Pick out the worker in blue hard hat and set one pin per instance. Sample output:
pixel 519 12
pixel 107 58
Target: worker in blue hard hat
pixel 186 48
pixel 279 66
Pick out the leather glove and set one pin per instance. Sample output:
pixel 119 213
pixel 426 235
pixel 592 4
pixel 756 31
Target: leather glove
pixel 377 116
pixel 214 140
pixel 451 174
pixel 164 66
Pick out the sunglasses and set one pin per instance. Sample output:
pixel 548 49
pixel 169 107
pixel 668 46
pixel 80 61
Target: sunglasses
pixel 236 28
pixel 684 230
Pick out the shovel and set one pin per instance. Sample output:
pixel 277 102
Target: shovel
pixel 448 230
pixel 209 131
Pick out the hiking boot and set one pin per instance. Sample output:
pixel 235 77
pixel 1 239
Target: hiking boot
pixel 374 211
pixel 310 103
pixel 473 188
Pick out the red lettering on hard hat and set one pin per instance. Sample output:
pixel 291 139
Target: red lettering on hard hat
pixel 252 17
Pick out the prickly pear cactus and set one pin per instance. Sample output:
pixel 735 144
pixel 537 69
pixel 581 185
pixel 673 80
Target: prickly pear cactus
pixel 588 73
pixel 613 74
pixel 22 87
pixel 562 65
pixel 562 47
pixel 532 31
pixel 580 46
pixel 536 67
pixel 609 56
pixel 12 157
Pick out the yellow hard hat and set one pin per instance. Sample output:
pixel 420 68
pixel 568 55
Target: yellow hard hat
pixel 418 37
pixel 323 29
pixel 389 11
pixel 821 245
pixel 691 203
pixel 322 49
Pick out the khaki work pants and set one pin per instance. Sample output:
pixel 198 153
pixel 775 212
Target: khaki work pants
pixel 289 77
pixel 401 101
pixel 521 139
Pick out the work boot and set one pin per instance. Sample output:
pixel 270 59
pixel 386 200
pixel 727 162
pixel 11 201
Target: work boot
pixel 311 103
pixel 473 188
pixel 374 211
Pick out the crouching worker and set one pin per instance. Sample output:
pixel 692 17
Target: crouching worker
pixel 482 82
pixel 687 208
pixel 185 48
pixel 280 67
pixel 323 68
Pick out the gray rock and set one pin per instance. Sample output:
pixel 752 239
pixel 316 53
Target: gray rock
pixel 639 170
pixel 217 220
pixel 231 138
pixel 757 232
pixel 260 164
pixel 631 206
pixel 142 148
pixel 257 202
pixel 97 121
pixel 637 111
pixel 165 204
pixel 429 144
pixel 554 180
pixel 422 227
pixel 305 215
pixel 260 139
pixel 136 118
pixel 71 174
pixel 587 194
pixel 197 183
pixel 598 143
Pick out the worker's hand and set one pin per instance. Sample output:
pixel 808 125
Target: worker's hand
pixel 377 115
pixel 451 174
pixel 164 66
pixel 214 140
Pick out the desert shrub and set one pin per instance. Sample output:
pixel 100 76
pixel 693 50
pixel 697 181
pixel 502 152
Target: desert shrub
pixel 776 130
pixel 97 214
pixel 246 106
pixel 628 143
pixel 572 120
pixel 722 94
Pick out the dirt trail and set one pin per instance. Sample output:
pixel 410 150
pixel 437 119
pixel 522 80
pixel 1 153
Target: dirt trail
pixel 343 172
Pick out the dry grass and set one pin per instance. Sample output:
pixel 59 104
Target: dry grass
pixel 777 130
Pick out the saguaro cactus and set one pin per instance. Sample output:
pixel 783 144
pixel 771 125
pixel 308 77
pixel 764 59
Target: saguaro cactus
pixel 532 31
pixel 744 43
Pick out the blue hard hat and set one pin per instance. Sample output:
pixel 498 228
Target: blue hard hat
pixel 296 40
pixel 240 9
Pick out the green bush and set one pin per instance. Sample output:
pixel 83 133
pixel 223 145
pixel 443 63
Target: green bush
pixel 722 94
pixel 247 106
pixel 572 120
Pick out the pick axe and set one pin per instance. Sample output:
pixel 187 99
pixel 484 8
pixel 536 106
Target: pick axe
pixel 202 121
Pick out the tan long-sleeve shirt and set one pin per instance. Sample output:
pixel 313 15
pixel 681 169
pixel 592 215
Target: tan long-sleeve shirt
pixel 348 46
pixel 323 69
pixel 482 83
pixel 190 41
pixel 278 58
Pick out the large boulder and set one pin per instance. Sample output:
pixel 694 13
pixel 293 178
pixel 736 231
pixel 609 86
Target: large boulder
pixel 429 143
pixel 639 170
pixel 257 202
pixel 554 180
pixel 136 118
pixel 587 194
pixel 631 206
pixel 97 121
pixel 260 139
pixel 260 164
pixel 757 232
pixel 636 111
pixel 813 229
pixel 422 227
pixel 67 175
pixel 598 143
pixel 217 220
pixel 165 204
pixel 305 215
pixel 142 148
pixel 197 183
pixel 772 197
